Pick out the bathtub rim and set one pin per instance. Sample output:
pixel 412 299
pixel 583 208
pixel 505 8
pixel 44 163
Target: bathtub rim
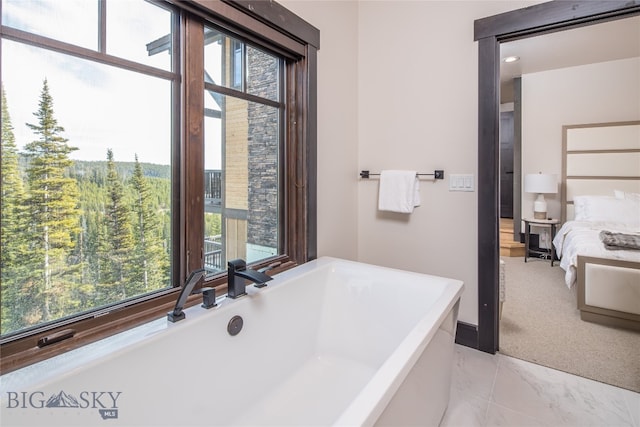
pixel 367 407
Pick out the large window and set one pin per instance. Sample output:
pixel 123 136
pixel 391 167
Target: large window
pixel 242 146
pixel 86 161
pixel 140 141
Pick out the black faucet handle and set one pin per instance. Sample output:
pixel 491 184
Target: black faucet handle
pixel 208 297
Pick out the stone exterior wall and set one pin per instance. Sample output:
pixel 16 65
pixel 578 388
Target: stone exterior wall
pixel 263 141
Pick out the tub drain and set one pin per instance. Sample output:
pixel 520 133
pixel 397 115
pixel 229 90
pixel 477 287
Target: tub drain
pixel 235 325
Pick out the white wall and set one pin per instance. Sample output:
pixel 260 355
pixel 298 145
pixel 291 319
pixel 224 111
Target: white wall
pixel 418 107
pixel 594 93
pixel 337 122
pixel 398 89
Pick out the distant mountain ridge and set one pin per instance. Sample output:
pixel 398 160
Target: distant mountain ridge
pixel 98 168
pixel 124 169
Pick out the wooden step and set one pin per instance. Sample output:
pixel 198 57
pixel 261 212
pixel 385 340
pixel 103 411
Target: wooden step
pixel 508 245
pixel 506 229
pixel 511 249
pixel 506 235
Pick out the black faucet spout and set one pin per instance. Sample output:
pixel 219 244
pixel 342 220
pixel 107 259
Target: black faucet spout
pixel 254 275
pixel 237 272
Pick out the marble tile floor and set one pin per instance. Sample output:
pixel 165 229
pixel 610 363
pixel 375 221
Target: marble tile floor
pixel 498 390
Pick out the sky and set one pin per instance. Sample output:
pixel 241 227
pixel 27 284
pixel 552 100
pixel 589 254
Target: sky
pixel 99 106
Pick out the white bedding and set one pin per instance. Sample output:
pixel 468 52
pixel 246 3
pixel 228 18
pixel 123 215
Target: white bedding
pixel 582 238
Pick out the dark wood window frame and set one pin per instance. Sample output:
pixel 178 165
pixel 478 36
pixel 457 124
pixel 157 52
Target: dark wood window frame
pixel 490 32
pixel 266 24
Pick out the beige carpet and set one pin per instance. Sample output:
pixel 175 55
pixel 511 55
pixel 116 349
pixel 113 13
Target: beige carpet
pixel 540 324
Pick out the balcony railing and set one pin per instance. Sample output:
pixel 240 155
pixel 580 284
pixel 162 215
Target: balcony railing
pixel 213 187
pixel 213 254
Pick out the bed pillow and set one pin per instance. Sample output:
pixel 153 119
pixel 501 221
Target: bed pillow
pixel 607 209
pixel 619 194
pixel 585 207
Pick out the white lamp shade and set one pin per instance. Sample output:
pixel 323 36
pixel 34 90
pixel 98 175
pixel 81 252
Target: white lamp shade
pixel 541 183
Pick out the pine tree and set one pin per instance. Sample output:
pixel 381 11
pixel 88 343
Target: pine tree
pixel 116 238
pixel 151 265
pixel 53 207
pixel 12 224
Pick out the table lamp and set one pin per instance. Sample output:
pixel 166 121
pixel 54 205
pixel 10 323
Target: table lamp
pixel 540 183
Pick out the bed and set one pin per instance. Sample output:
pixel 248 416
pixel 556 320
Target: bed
pixel 601 204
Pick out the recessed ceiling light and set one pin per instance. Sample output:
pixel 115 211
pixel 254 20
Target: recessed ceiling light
pixel 509 59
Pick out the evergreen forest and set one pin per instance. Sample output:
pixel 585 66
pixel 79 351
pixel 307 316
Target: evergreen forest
pixel 76 235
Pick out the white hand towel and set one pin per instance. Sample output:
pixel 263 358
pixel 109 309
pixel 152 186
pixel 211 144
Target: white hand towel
pixel 399 191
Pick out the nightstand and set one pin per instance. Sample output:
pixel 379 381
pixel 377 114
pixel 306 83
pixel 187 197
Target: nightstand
pixel 552 223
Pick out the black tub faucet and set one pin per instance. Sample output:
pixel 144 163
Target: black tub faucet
pixel 237 272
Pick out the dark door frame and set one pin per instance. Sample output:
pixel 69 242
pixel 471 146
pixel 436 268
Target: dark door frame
pixel 489 33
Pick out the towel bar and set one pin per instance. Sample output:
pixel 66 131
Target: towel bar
pixel 437 174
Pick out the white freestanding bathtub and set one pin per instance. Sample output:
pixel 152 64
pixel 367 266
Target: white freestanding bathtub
pixel 330 342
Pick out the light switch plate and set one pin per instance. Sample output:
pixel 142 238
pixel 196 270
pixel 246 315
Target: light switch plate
pixel 461 182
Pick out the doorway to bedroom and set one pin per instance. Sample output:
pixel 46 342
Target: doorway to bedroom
pixel 539 321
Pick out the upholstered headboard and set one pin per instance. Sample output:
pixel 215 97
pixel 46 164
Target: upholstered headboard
pixel 597 159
